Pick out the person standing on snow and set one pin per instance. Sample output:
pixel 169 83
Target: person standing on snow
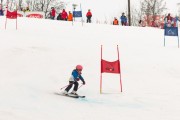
pixel 168 20
pixel 177 19
pixel 70 16
pixel 115 22
pixel 75 77
pixel 64 15
pixel 1 11
pixel 89 15
pixel 52 13
pixel 59 16
pixel 123 20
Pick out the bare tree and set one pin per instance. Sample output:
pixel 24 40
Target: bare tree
pixel 45 6
pixel 153 6
pixel 135 16
pixel 150 8
pixel 20 4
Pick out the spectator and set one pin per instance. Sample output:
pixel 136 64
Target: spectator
pixel 175 21
pixel 27 9
pixel 1 12
pixel 169 17
pixel 21 9
pixel 70 16
pixel 52 13
pixel 64 15
pixel 89 15
pixel 140 23
pixel 123 20
pixel 115 22
pixel 168 20
pixel 59 16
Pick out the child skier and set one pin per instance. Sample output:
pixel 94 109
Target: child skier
pixel 75 76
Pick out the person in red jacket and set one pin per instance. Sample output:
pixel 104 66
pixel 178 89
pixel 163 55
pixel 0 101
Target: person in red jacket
pixel 52 13
pixel 169 17
pixel 64 15
pixel 89 15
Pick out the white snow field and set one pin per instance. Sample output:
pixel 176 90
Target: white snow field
pixel 37 59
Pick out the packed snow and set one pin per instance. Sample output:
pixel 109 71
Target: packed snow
pixel 37 59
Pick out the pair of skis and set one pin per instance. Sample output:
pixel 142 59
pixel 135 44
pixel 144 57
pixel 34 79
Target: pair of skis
pixel 74 96
pixel 71 95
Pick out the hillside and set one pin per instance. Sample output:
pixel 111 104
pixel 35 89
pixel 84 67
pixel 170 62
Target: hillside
pixel 37 60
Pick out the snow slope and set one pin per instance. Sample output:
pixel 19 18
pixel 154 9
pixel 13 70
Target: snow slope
pixel 37 59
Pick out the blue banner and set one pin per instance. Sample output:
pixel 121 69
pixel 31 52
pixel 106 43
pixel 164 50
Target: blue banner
pixel 171 31
pixel 77 13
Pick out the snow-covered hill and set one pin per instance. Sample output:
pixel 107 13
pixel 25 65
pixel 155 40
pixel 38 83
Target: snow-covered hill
pixel 37 60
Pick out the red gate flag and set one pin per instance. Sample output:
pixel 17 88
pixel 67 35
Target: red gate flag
pixel 11 15
pixel 110 67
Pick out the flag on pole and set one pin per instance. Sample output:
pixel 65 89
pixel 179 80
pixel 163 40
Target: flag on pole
pixel 171 31
pixel 11 15
pixel 77 13
pixel 110 67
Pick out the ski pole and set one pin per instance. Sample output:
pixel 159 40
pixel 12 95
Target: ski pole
pixel 66 86
pixel 80 86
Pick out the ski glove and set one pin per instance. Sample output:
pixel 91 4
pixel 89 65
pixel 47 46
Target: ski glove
pixel 77 79
pixel 84 82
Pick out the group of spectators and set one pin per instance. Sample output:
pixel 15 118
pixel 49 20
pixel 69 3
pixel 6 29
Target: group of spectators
pixel 167 21
pixel 25 9
pixel 67 16
pixel 123 20
pixel 171 21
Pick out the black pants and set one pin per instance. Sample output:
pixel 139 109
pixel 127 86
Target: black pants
pixel 52 17
pixel 71 84
pixel 123 23
pixel 88 19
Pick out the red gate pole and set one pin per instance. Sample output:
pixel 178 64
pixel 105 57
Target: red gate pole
pixel 6 22
pixel 16 23
pixel 101 73
pixel 119 69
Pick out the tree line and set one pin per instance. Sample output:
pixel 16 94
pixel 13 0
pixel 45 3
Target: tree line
pixel 145 8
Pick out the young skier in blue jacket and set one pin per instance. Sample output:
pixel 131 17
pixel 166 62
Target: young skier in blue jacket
pixel 75 77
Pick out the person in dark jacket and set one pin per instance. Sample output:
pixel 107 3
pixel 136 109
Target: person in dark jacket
pixel 89 15
pixel 59 16
pixel 1 12
pixel 75 77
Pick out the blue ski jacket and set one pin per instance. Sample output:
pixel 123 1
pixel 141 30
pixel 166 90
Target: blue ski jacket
pixel 75 76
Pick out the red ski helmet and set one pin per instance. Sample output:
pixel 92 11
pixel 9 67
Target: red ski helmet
pixel 79 67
